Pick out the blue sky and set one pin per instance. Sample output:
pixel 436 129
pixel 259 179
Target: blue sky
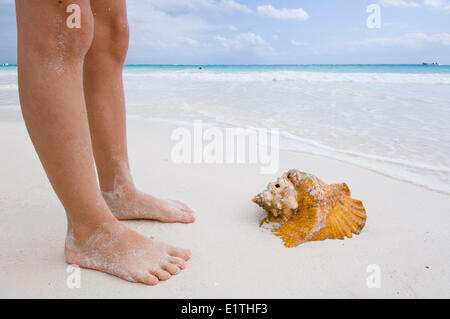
pixel 274 32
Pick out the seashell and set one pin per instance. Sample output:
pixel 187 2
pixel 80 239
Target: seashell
pixel 302 208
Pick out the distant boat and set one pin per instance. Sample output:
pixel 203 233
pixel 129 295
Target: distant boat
pixel 434 63
pixel 5 64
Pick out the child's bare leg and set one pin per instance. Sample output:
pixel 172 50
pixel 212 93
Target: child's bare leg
pixel 50 70
pixel 106 110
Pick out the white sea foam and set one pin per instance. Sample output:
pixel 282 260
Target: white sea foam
pixel 272 76
pixel 395 124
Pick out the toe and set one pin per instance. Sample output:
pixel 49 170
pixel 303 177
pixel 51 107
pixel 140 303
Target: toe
pixel 150 280
pixel 175 214
pixel 181 253
pixel 145 278
pixel 161 274
pixel 183 206
pixel 171 268
pixel 188 217
pixel 177 261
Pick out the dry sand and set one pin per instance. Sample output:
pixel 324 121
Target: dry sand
pixel 407 232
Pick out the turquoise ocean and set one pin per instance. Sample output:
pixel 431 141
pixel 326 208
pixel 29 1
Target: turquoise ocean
pixel 393 119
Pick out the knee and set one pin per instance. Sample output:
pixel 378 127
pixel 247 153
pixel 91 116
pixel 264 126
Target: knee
pixel 57 40
pixel 112 38
pixel 44 29
pixel 78 40
pixel 120 34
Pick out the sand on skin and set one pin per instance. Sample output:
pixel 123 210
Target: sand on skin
pixel 406 231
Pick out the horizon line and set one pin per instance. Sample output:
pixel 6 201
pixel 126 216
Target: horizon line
pixel 271 64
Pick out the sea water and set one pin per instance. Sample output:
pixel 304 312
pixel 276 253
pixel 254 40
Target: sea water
pixel 393 119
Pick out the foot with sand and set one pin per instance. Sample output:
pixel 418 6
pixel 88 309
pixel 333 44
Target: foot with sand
pixel 137 205
pixel 119 251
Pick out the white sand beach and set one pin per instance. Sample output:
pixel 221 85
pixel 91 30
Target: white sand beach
pixel 406 232
pixel 354 93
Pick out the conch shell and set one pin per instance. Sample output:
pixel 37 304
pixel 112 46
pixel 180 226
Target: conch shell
pixel 302 208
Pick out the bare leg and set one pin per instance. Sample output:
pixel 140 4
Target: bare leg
pixel 107 120
pixel 50 71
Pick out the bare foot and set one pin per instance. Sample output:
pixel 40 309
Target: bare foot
pixel 126 205
pixel 119 251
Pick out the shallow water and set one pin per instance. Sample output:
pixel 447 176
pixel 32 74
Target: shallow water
pixel 391 119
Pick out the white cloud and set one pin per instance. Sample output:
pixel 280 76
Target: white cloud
pixel 410 39
pixel 188 40
pixel 235 6
pixel 438 4
pixel 241 40
pixel 155 29
pixel 251 38
pixel 186 7
pixel 298 44
pixel 175 30
pixel 219 38
pixel 399 3
pixel 434 3
pixel 282 14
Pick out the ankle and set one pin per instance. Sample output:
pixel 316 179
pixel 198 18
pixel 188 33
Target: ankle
pixel 80 230
pixel 119 191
